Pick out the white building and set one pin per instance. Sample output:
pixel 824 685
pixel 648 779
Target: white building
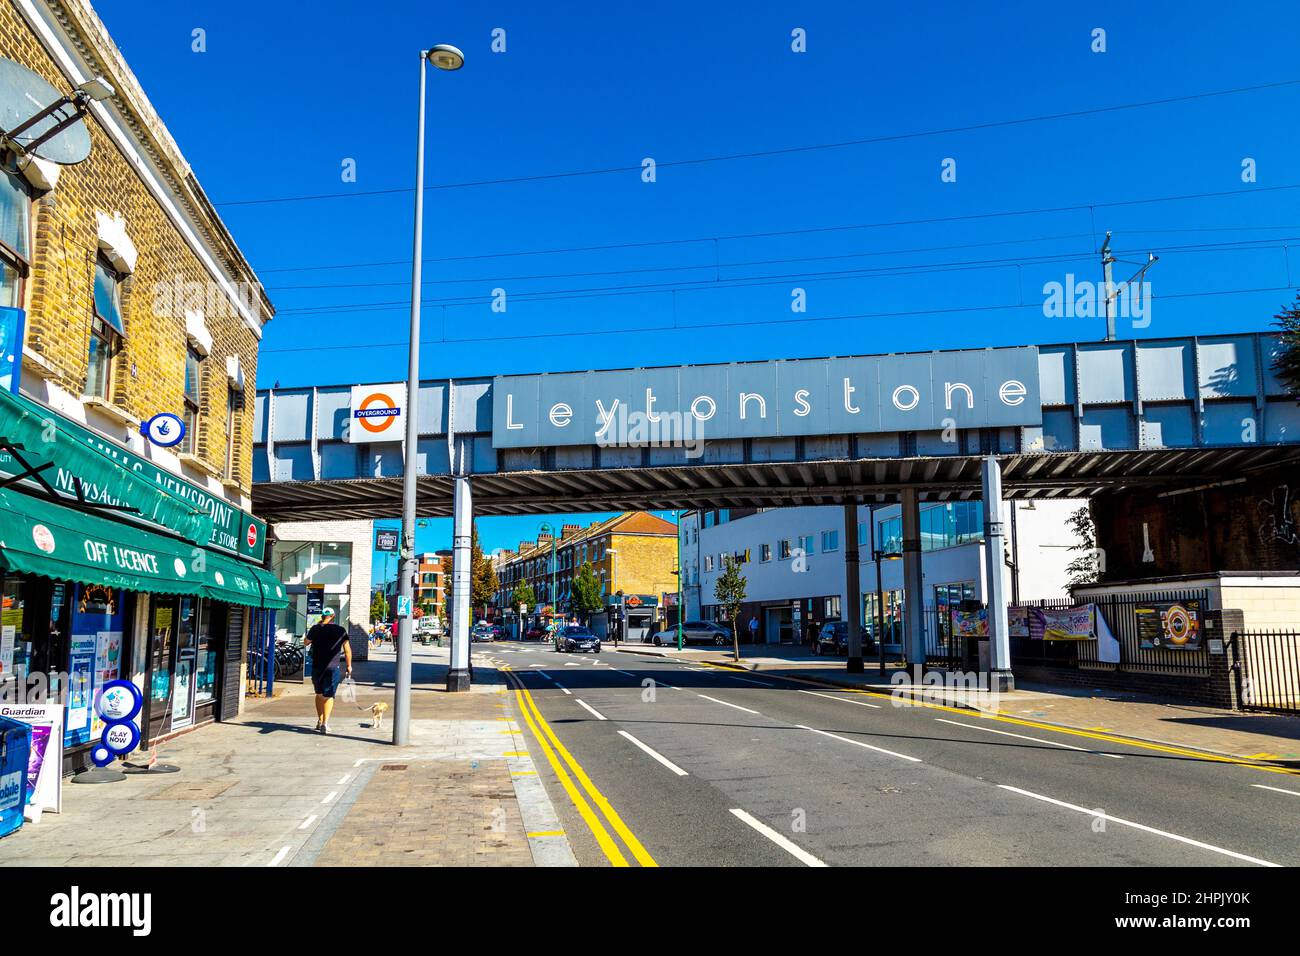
pixel 793 562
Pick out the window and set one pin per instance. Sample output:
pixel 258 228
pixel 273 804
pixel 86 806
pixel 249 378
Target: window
pixel 765 552
pixel 889 535
pixel 15 242
pixel 234 402
pixel 806 543
pixel 708 562
pixel 830 541
pixel 783 548
pixel 193 396
pixel 105 330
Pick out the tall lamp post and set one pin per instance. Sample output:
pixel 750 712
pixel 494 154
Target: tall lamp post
pixel 447 58
pixel 680 610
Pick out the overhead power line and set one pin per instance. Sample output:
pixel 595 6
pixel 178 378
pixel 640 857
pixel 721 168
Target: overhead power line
pixel 807 231
pixel 747 323
pixel 782 151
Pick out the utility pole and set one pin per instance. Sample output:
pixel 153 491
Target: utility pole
pixel 1108 260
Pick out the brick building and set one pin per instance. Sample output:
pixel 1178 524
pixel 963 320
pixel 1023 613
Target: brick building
pixel 123 296
pixel 634 552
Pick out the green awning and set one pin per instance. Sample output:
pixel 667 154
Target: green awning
pixel 273 593
pixel 38 536
pixel 44 440
pixel 231 581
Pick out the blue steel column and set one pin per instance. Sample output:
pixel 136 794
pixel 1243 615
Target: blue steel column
pixel 913 580
pixel 1000 677
pixel 462 529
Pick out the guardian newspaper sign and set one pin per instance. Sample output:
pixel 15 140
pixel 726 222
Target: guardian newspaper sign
pixel 930 391
pixel 378 413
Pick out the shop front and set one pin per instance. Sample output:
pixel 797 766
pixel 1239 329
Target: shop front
pixel 93 590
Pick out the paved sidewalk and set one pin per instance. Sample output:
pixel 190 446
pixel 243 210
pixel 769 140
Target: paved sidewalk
pixel 1272 738
pixel 266 790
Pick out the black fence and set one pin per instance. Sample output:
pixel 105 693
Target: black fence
pixel 1268 669
pixel 1119 611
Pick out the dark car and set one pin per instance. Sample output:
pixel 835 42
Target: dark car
pixel 834 639
pixel 575 637
pixel 535 633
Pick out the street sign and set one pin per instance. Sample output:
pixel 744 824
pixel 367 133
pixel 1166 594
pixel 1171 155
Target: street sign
pixel 403 605
pixel 378 413
pixel 386 539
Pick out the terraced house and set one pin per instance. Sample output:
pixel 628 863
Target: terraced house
pixel 130 326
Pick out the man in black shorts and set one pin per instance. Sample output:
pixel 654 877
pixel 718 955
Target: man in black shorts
pixel 327 641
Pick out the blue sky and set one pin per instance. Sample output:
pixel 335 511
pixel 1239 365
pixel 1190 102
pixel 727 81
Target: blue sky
pixel 285 93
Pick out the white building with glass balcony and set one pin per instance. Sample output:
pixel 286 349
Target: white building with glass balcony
pixel 793 562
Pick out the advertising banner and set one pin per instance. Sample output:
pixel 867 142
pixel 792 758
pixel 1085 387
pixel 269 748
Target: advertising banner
pixel 970 623
pixel 1018 621
pixel 45 762
pixel 94 658
pixel 1175 625
pixel 1063 623
pixel 11 347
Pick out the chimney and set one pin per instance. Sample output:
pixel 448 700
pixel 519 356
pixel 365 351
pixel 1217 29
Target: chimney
pixel 569 530
pixel 543 539
pixel 524 546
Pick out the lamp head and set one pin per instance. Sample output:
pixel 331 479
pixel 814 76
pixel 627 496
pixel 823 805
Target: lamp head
pixel 446 57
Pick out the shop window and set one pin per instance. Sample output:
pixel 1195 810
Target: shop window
pixel 15 242
pixel 106 330
pixel 206 648
pixel 193 398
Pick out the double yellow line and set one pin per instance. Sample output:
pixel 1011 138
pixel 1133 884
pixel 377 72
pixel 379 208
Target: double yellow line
pixel 571 777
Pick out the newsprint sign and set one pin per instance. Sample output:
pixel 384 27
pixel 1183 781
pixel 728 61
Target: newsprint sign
pixel 881 393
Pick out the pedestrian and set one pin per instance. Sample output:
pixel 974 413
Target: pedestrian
pixel 753 629
pixel 327 642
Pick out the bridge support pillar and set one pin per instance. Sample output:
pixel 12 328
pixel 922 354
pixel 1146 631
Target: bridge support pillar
pixel 852 588
pixel 999 677
pixel 913 582
pixel 458 672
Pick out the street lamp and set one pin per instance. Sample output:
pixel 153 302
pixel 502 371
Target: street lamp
pixel 444 57
pixel 879 556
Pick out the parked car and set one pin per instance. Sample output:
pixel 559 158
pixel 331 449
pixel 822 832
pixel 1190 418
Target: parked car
pixel 480 632
pixel 833 638
pixel 693 632
pixel 575 637
pixel 535 632
pixel 498 632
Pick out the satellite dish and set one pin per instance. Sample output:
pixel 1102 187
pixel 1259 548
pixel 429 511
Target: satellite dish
pixel 23 94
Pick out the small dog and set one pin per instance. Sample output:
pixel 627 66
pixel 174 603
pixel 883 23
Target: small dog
pixel 377 712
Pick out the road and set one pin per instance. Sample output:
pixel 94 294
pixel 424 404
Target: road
pixel 661 762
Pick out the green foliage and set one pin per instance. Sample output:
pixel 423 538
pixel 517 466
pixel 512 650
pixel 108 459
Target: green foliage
pixel 586 598
pixel 730 592
pixel 378 607
pixel 483 582
pixel 1086 568
pixel 1287 362
pixel 523 594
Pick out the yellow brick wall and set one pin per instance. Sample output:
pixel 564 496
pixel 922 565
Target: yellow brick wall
pixel 645 563
pixel 148 373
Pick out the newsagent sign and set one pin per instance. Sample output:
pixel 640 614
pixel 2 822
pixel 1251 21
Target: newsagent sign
pixel 930 391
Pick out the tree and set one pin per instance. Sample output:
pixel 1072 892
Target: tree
pixel 730 592
pixel 483 582
pixel 378 607
pixel 585 597
pixel 1287 363
pixel 523 595
pixel 1087 567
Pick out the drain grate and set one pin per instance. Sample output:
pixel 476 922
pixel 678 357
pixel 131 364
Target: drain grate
pixel 393 766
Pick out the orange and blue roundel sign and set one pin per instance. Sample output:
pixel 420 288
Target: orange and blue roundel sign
pixel 377 409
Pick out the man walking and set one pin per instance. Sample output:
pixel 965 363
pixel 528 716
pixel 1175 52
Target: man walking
pixel 327 641
pixel 753 629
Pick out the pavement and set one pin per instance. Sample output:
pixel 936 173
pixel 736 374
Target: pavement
pixel 667 759
pixel 266 790
pixel 1273 738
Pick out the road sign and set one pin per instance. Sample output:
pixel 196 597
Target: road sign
pixel 403 605
pixel 378 413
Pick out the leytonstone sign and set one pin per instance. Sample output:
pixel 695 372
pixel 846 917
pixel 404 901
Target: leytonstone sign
pixel 985 388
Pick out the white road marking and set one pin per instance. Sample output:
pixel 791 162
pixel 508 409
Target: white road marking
pixel 572 664
pixel 1294 793
pixel 760 683
pixel 859 743
pixel 844 700
pixel 275 860
pixel 798 852
pixel 1139 826
pixel 589 709
pixel 536 665
pixel 308 822
pixel 658 756
pixel 330 796
pixel 1037 740
pixel 358 763
pixel 344 779
pixel 725 704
